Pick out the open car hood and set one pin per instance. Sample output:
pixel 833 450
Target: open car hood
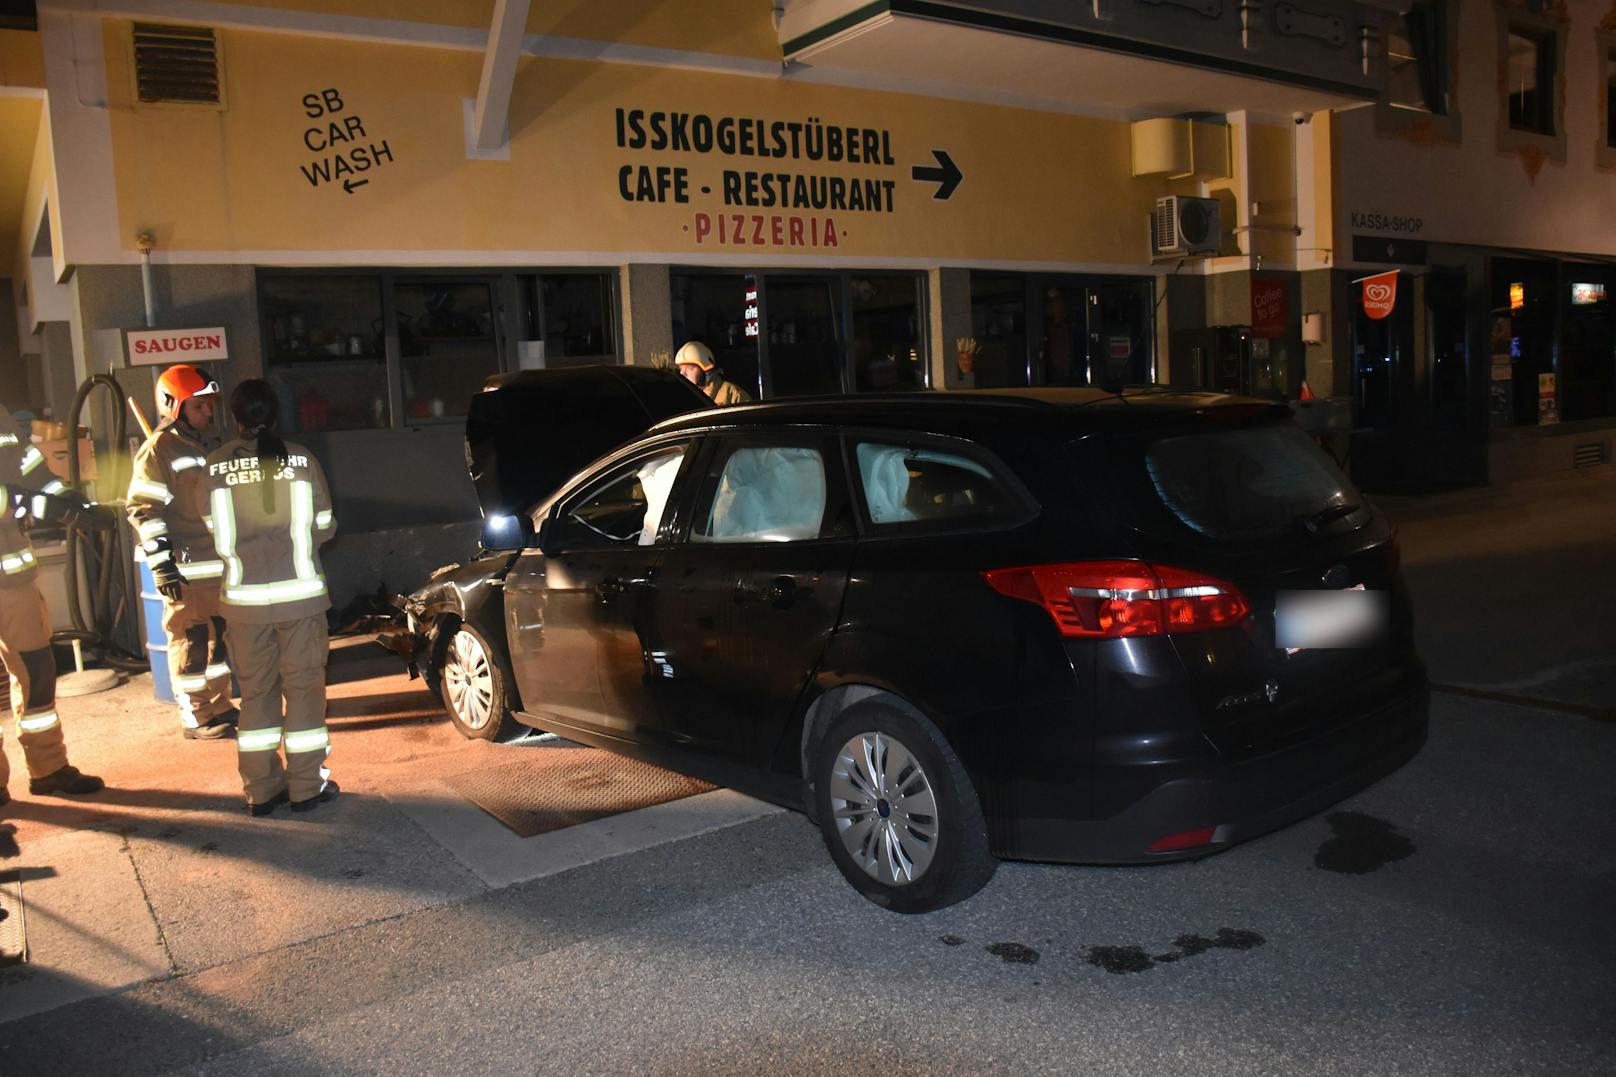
pixel 528 432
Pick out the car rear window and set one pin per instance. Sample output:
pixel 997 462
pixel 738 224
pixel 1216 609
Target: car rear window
pixel 935 484
pixel 1239 484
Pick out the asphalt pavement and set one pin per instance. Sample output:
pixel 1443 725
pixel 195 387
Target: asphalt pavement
pixel 1453 918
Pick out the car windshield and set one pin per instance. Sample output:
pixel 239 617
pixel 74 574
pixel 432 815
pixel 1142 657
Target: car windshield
pixel 1228 485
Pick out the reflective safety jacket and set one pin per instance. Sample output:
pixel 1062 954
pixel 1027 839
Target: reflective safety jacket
pixel 26 486
pixel 166 499
pixel 725 392
pixel 271 553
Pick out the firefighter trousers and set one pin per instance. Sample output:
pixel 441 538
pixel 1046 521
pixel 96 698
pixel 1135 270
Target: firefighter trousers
pixel 198 666
pixel 25 649
pixel 280 662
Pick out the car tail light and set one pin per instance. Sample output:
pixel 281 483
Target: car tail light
pixel 1189 839
pixel 1111 599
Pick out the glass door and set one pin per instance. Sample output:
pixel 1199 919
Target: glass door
pixel 713 308
pixel 1119 333
pixel 801 321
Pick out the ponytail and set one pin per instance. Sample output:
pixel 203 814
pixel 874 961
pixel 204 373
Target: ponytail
pixel 256 410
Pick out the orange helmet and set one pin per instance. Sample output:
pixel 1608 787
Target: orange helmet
pixel 179 384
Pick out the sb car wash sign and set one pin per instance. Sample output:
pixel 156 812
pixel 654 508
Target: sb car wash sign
pixel 159 347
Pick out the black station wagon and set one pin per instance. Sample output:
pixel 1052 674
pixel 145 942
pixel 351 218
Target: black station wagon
pixel 1052 624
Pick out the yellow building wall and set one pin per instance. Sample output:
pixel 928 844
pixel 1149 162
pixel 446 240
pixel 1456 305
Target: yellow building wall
pixel 1037 186
pixel 1273 188
pixel 22 63
pixel 19 131
pixel 725 27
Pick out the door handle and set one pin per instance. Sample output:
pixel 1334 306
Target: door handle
pixel 781 592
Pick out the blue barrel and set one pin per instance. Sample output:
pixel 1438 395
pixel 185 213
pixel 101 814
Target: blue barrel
pixel 151 608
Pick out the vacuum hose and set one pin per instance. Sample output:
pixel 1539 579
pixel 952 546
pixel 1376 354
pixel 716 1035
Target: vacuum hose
pixel 102 548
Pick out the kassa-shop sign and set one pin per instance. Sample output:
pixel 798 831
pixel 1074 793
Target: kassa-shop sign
pixel 159 347
pixel 1379 294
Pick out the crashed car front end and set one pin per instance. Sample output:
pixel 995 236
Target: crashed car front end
pixel 454 594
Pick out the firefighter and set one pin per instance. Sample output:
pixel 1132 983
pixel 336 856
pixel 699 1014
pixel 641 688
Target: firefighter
pixel 270 512
pixel 25 631
pixel 166 507
pixel 695 362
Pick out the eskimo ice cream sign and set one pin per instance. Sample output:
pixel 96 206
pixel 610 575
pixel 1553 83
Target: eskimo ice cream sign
pixel 149 347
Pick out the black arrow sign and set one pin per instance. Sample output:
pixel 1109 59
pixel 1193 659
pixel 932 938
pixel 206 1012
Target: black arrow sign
pixel 349 185
pixel 947 177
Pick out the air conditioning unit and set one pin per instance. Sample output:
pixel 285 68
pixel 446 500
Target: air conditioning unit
pixel 1186 226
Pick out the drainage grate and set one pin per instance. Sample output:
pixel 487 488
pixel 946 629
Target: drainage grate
pixel 557 787
pixel 1591 455
pixel 13 933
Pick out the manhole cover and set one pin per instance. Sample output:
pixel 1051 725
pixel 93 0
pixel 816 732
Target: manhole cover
pixel 552 789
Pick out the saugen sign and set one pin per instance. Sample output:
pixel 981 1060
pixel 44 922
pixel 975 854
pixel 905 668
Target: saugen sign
pixel 157 346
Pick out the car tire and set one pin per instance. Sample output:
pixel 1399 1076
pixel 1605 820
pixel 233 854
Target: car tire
pixel 898 813
pixel 470 679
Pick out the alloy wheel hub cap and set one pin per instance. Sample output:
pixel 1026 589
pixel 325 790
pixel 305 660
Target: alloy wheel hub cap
pixel 884 808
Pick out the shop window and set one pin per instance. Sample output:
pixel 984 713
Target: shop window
pixel 802 318
pixel 1524 300
pixel 888 353
pixel 1607 98
pixel 712 308
pixel 999 325
pixel 1091 330
pixel 576 318
pixel 1530 81
pixel 446 344
pixel 1610 98
pixel 1417 59
pixel 1588 341
pixel 355 351
pixel 327 354
pixel 1120 334
pixel 780 334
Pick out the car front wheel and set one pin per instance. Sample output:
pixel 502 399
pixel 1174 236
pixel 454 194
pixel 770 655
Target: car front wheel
pixel 471 681
pixel 898 812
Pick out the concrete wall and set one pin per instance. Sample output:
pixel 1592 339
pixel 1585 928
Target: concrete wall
pixel 949 302
pixel 1321 358
pixel 647 312
pixel 13 373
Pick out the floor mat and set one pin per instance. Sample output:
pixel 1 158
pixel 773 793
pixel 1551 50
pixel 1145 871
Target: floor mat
pixel 556 787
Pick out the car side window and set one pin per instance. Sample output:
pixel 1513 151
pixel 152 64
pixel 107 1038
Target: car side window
pixel 762 493
pixel 922 486
pixel 626 507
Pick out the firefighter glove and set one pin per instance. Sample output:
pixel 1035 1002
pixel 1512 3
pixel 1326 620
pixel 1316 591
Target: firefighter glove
pixel 165 573
pixel 82 513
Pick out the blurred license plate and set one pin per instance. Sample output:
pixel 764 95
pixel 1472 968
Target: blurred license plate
pixel 1329 619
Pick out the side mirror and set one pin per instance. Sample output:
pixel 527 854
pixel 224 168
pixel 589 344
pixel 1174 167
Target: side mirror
pixel 507 532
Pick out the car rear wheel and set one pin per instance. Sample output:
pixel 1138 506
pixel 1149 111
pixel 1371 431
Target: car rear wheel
pixel 471 680
pixel 898 812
